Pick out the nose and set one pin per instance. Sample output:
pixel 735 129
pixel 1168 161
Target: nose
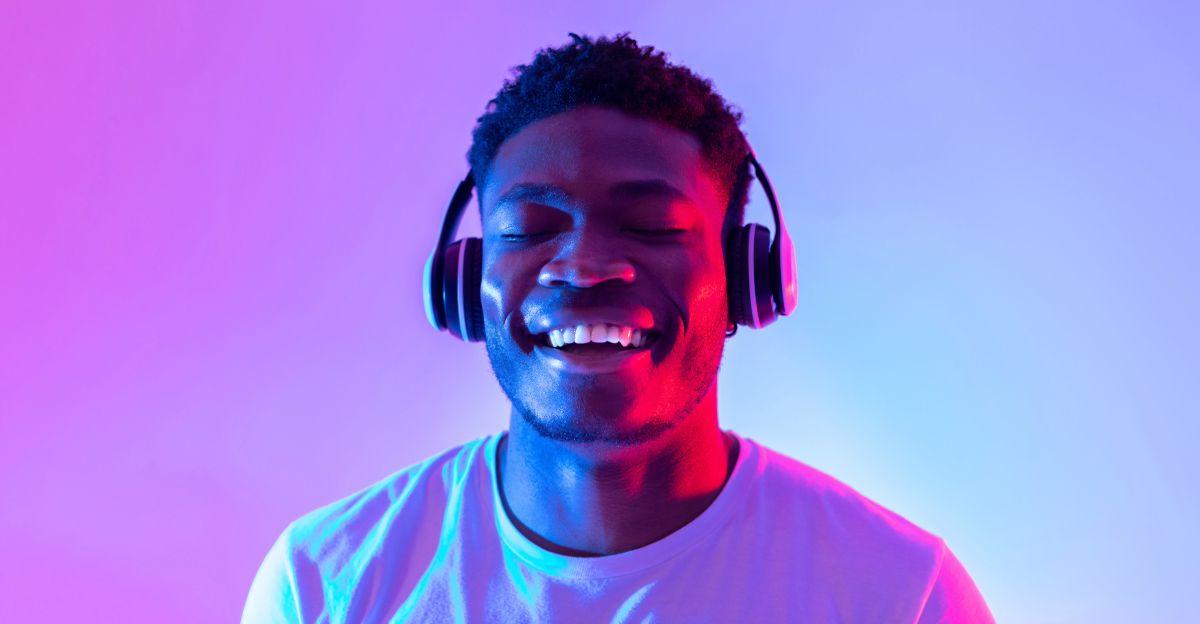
pixel 584 263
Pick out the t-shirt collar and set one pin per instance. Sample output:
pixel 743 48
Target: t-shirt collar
pixel 745 472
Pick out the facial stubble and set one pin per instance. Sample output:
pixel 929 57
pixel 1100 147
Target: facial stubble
pixel 700 363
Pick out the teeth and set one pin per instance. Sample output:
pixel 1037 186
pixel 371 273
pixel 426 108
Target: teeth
pixel 598 333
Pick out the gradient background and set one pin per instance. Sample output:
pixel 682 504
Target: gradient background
pixel 215 214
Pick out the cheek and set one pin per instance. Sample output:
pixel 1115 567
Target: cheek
pixel 503 287
pixel 506 280
pixel 496 294
pixel 704 273
pixel 491 296
pixel 711 303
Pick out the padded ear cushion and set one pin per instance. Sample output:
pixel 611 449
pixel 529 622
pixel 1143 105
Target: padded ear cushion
pixel 473 288
pixel 733 276
pixel 450 272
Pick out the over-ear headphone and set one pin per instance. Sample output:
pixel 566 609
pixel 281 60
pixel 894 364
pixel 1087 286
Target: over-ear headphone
pixel 760 274
pixel 453 274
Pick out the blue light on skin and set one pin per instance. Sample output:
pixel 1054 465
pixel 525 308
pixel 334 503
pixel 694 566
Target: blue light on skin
pixel 589 216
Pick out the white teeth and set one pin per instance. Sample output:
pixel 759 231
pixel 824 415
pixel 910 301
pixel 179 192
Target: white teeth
pixel 597 332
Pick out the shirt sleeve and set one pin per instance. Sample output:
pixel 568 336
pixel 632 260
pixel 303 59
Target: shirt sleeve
pixel 273 598
pixel 954 598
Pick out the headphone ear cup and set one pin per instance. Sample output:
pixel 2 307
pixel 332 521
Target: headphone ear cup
pixel 431 293
pixel 750 285
pixel 460 289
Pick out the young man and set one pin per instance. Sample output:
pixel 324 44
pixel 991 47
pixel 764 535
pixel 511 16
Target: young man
pixel 609 183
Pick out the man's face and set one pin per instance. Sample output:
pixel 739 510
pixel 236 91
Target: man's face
pixel 602 225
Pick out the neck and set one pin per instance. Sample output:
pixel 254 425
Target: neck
pixel 591 499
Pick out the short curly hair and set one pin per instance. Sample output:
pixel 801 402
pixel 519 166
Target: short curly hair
pixel 620 74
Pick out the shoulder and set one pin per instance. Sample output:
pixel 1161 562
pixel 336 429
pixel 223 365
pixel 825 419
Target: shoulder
pixel 833 506
pixel 402 515
pixel 836 505
pixel 954 598
pixel 856 546
pixel 422 489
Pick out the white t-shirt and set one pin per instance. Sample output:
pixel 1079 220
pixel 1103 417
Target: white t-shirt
pixel 781 543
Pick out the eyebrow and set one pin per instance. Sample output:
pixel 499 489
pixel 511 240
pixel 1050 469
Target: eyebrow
pixel 637 189
pixel 540 193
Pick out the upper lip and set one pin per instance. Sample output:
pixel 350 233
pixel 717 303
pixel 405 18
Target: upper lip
pixel 636 319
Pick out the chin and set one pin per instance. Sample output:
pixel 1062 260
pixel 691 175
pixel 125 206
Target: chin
pixel 622 432
pixel 601 411
pixel 611 409
pixel 636 403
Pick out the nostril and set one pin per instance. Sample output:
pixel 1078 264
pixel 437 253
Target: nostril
pixel 560 273
pixel 550 280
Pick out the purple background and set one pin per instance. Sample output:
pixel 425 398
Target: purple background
pixel 213 217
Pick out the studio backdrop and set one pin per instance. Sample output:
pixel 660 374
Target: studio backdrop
pixel 214 218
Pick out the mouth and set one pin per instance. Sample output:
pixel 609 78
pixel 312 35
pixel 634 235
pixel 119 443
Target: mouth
pixel 596 338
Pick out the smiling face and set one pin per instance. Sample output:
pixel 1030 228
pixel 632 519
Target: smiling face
pixel 603 275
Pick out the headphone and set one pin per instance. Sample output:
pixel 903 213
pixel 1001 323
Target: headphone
pixel 760 274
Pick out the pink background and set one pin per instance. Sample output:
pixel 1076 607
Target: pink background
pixel 213 217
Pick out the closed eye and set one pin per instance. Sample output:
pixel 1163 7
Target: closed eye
pixel 655 231
pixel 525 237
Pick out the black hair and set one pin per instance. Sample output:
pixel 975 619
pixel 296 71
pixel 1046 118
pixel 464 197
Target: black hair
pixel 618 73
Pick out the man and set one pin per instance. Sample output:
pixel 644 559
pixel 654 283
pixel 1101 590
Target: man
pixel 610 182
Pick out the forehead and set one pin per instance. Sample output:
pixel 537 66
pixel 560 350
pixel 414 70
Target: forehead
pixel 591 149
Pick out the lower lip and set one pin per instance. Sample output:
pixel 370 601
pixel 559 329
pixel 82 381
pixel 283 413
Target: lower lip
pixel 591 363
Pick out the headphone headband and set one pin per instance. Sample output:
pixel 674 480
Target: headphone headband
pixel 783 254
